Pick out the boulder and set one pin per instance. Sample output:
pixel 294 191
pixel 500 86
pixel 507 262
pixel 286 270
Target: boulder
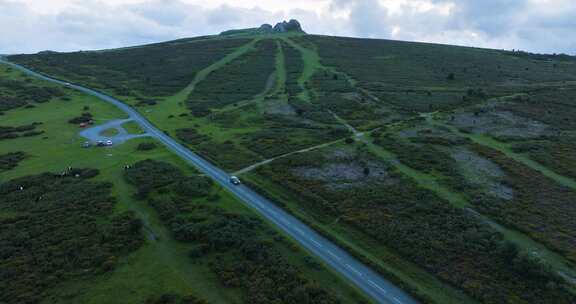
pixel 266 28
pixel 290 26
pixel 281 27
pixel 294 26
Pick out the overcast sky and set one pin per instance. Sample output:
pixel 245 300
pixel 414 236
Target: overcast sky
pixel 547 26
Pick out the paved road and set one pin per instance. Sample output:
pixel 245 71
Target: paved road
pixel 94 134
pixel 379 289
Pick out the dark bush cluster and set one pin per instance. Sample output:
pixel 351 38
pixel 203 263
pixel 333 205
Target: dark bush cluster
pixel 191 136
pixel 15 94
pixel 146 146
pixel 193 186
pixel 20 131
pixel 160 69
pixel 9 103
pixel 553 107
pixel 270 135
pixel 10 160
pixel 329 81
pixel 449 242
pixel 85 117
pixel 355 109
pixel 146 102
pixel 149 175
pixel 311 111
pixel 228 154
pixel 222 88
pixel 170 298
pixel 57 228
pixel 426 157
pixel 419 77
pixel 294 68
pixel 556 153
pixel 232 243
pixel 541 208
pixel 275 140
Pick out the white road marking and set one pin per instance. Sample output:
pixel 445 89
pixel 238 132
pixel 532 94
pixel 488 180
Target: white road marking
pixel 354 269
pixel 316 243
pixel 377 286
pixel 299 230
pixel 333 255
pixel 396 300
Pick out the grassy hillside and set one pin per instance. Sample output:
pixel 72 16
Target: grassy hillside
pixel 79 228
pixel 448 169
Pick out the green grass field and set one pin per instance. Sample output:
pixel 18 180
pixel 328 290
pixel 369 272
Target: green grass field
pixel 133 128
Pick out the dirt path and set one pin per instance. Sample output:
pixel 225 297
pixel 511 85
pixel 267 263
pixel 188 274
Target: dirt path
pixel 347 125
pixel 264 162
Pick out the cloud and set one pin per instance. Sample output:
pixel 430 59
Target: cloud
pixel 369 18
pixel 534 25
pixel 164 12
pixel 487 16
pixel 90 25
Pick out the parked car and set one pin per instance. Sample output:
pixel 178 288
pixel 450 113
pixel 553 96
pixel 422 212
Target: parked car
pixel 109 143
pixel 235 180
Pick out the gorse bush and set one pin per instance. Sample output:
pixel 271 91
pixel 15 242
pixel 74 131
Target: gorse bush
pixel 144 71
pixel 222 88
pixel 233 243
pixel 449 242
pixel 10 160
pixel 59 228
pixel 15 94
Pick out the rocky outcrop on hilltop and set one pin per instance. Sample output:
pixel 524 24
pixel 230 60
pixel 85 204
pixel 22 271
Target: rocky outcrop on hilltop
pixel 283 27
pixel 292 26
pixel 266 28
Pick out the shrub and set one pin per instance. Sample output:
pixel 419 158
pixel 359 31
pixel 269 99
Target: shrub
pixel 84 118
pixel 147 146
pixel 10 160
pixel 63 229
pixel 193 186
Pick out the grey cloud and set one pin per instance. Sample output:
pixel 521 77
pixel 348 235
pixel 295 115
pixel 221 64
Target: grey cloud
pixel 519 24
pixel 227 17
pixel 91 24
pixel 341 4
pixel 490 16
pixel 369 18
pixel 165 12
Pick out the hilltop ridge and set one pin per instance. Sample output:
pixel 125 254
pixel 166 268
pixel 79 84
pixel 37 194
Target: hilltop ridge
pixel 292 26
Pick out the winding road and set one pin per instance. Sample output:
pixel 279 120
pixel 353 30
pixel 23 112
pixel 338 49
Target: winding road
pixel 373 284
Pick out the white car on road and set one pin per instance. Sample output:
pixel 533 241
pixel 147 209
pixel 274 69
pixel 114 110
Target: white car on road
pixel 235 180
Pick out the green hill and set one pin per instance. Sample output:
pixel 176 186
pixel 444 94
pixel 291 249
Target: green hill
pixel 451 170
